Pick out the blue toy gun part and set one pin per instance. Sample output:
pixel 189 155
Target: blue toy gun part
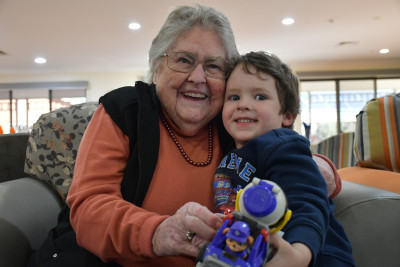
pixel 216 254
pixel 264 201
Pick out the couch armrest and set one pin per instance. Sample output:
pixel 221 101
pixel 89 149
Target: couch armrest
pixel 386 180
pixel 371 219
pixel 28 210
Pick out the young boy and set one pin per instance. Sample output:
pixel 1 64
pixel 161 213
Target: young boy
pixel 261 105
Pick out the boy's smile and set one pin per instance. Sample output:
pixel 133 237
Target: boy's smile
pixel 252 106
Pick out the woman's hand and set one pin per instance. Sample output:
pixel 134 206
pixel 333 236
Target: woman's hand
pixel 170 236
pixel 287 255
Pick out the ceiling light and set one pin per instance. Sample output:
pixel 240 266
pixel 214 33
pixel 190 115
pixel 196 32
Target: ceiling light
pixel 40 60
pixel 384 51
pixel 287 21
pixel 134 26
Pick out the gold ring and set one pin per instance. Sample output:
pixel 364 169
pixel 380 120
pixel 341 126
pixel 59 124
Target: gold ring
pixel 190 235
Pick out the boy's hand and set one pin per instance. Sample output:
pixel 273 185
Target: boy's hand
pixel 287 255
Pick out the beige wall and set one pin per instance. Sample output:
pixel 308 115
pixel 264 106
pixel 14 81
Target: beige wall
pixel 99 82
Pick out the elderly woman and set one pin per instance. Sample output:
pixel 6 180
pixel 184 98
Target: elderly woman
pixel 142 188
pixel 149 155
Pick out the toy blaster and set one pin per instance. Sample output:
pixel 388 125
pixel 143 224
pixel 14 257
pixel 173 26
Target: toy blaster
pixel 243 238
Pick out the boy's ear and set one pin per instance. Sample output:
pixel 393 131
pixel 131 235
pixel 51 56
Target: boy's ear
pixel 288 118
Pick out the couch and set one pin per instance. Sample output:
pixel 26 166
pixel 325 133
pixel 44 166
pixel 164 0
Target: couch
pixel 371 154
pixel 31 199
pixel 12 155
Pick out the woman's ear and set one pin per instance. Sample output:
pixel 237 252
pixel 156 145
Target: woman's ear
pixel 155 76
pixel 288 119
pixel 156 73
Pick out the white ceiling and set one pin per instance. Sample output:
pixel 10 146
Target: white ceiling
pixel 93 35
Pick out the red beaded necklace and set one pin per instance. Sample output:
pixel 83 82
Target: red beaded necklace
pixel 179 146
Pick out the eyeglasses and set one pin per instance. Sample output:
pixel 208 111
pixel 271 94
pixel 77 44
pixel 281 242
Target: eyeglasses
pixel 185 62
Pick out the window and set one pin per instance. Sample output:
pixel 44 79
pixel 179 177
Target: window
pixel 353 95
pixel 387 87
pixel 20 108
pixel 331 106
pixel 318 109
pixel 65 98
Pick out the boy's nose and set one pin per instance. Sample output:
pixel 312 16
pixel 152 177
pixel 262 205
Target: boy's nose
pixel 243 104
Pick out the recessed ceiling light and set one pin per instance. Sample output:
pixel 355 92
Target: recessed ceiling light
pixel 134 26
pixel 40 60
pixel 287 21
pixel 384 51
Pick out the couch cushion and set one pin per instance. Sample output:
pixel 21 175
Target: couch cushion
pixel 53 145
pixel 31 206
pixel 12 155
pixel 378 134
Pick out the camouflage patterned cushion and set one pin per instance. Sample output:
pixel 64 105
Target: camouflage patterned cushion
pixel 53 145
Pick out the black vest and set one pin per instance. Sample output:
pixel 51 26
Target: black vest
pixel 135 110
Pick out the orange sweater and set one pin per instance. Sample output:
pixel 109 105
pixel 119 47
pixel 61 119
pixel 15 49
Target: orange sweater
pixel 113 228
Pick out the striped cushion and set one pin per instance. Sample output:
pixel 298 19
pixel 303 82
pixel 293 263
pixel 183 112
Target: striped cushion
pixel 378 134
pixel 339 149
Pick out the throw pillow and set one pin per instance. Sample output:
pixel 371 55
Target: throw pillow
pixel 53 145
pixel 378 134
